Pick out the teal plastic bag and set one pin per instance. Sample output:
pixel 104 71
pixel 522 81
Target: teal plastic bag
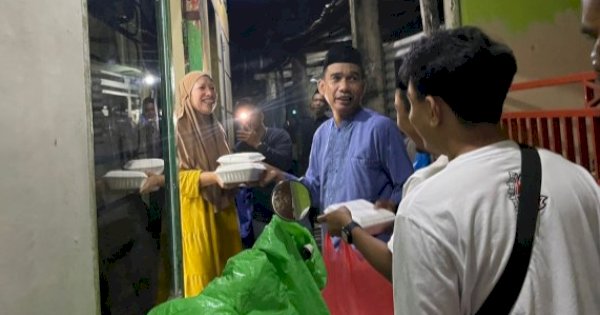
pixel 271 278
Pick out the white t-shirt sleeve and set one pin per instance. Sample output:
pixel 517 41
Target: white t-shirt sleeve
pixel 424 278
pixel 416 179
pixel 411 183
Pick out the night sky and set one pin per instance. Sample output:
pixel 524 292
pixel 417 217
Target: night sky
pixel 258 27
pixel 255 24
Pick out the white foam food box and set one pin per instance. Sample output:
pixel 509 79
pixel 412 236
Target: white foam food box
pixel 125 180
pixel 155 166
pixel 244 157
pixel 371 219
pixel 240 172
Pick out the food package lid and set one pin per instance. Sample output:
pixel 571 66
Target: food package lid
pixel 244 157
pixel 125 174
pixel 144 164
pixel 365 213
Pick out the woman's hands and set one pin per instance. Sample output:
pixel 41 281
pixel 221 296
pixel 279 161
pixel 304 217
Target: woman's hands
pixel 152 183
pixel 271 174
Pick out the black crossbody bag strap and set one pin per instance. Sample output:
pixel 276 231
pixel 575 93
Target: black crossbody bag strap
pixel 505 292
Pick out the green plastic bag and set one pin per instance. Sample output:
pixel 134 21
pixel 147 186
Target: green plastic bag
pixel 271 278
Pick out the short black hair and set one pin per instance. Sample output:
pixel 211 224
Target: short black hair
pixel 463 66
pixel 147 100
pixel 404 98
pixel 345 54
pixel 245 101
pixel 402 85
pixel 400 76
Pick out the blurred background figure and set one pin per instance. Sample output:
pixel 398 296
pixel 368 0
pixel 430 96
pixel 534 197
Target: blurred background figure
pixel 150 144
pixel 254 204
pixel 320 112
pixel 319 109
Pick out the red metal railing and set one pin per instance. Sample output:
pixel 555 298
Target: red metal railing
pixel 586 79
pixel 574 133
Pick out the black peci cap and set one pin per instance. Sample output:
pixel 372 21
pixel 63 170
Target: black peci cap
pixel 343 54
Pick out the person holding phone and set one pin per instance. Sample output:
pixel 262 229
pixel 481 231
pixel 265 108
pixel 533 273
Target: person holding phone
pixel 276 145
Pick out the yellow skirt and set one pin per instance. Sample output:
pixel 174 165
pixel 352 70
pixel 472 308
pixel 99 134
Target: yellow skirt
pixel 208 238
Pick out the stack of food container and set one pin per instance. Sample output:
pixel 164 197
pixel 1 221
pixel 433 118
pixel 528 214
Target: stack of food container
pixel 133 174
pixel 239 168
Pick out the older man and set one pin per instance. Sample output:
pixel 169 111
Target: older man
pixel 359 154
pixel 373 249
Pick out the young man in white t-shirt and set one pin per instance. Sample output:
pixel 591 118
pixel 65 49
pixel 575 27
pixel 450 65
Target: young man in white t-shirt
pixel 454 233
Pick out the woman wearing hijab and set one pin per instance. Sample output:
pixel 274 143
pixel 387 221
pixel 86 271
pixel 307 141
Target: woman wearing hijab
pixel 209 222
pixel 209 225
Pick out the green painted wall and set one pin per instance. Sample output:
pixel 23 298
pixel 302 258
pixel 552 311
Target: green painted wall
pixel 546 39
pixel 194 46
pixel 517 15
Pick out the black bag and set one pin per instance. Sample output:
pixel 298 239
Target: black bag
pixel 504 295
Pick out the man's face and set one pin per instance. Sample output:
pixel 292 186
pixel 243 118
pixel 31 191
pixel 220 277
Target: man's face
pixel 318 105
pixel 343 88
pixel 590 25
pixel 419 117
pixel 149 111
pixel 248 117
pixel 404 123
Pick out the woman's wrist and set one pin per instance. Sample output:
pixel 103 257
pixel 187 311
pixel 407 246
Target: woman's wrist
pixel 208 178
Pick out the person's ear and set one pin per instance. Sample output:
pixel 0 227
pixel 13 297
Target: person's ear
pixel 434 110
pixel 321 88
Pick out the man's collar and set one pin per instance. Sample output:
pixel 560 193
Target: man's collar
pixel 347 121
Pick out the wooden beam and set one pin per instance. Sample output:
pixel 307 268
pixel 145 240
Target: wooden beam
pixel 430 15
pixel 452 13
pixel 366 37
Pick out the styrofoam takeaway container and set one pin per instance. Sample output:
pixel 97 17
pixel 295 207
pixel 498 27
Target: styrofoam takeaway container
pixel 244 157
pixel 125 180
pixel 240 172
pixel 371 219
pixel 155 166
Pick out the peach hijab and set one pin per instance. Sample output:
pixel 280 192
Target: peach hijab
pixel 200 140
